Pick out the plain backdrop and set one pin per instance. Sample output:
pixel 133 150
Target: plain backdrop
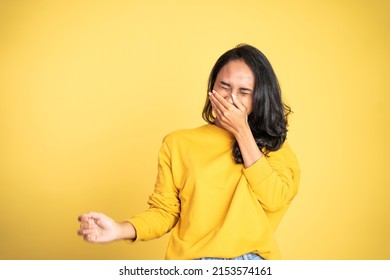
pixel 88 89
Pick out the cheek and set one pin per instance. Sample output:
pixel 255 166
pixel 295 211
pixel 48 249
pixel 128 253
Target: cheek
pixel 247 101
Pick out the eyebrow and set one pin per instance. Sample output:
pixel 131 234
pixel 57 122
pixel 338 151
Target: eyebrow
pixel 241 88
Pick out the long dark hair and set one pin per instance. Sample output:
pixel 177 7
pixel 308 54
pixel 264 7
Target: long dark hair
pixel 268 119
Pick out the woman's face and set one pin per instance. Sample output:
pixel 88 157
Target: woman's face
pixel 237 78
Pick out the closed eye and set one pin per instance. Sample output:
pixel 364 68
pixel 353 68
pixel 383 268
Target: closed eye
pixel 225 86
pixel 245 91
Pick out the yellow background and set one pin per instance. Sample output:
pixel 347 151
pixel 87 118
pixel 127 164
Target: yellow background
pixel 88 89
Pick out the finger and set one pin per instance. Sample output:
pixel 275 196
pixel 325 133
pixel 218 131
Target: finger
pixel 217 111
pixel 238 103
pixel 91 238
pixel 90 215
pixel 221 111
pixel 90 230
pixel 84 232
pixel 222 100
pixel 95 215
pixel 88 225
pixel 217 104
pixel 83 218
pixel 222 117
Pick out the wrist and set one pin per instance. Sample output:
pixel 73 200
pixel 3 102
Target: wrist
pixel 126 231
pixel 242 133
pixel 249 150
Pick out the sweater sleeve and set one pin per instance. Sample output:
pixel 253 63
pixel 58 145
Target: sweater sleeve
pixel 164 203
pixel 274 179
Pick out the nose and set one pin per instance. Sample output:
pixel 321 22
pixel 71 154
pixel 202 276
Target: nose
pixel 229 98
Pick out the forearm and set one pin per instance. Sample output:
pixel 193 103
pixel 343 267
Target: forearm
pixel 274 179
pixel 153 224
pixel 249 150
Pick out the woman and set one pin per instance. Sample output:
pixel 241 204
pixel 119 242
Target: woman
pixel 222 187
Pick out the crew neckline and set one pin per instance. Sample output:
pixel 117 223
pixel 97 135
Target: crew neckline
pixel 220 131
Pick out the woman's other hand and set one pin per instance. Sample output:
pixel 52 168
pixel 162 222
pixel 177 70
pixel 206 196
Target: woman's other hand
pixel 99 228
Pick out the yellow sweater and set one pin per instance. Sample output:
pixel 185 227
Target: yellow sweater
pixel 216 207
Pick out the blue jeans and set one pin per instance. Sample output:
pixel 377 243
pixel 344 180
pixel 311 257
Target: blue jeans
pixel 249 256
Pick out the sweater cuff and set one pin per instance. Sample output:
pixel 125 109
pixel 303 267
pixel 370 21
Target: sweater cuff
pixel 258 172
pixel 139 225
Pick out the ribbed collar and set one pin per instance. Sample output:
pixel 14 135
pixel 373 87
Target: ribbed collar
pixel 219 131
